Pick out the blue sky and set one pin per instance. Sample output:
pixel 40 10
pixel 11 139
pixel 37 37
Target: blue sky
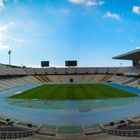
pixel 90 31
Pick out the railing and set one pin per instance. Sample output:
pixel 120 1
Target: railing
pixel 17 134
pixel 132 74
pixel 127 133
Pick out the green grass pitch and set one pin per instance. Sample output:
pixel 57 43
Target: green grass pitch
pixel 73 91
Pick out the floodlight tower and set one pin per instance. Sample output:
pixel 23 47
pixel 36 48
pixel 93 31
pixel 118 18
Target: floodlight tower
pixel 9 53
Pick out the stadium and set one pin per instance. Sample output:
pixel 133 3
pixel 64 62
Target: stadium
pixel 72 71
pixel 59 103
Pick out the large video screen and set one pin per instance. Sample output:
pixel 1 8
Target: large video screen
pixel 44 63
pixel 71 63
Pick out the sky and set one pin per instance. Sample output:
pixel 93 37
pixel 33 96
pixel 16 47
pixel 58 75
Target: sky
pixel 89 31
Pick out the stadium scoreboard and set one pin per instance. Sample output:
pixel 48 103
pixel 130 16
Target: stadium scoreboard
pixel 71 63
pixel 44 63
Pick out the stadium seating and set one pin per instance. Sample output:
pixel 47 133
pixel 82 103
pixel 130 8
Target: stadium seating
pixel 13 76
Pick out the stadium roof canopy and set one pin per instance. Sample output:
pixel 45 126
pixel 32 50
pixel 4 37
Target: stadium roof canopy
pixel 132 55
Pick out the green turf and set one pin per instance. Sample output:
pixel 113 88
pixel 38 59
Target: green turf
pixel 73 91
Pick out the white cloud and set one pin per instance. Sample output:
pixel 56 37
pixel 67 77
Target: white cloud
pixel 4 35
pixel 2 46
pixel 3 28
pixel 20 40
pixel 65 11
pixel 131 40
pixel 1 4
pixel 87 2
pixel 138 47
pixel 112 15
pixel 136 10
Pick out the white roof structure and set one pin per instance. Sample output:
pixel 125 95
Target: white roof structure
pixel 132 55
